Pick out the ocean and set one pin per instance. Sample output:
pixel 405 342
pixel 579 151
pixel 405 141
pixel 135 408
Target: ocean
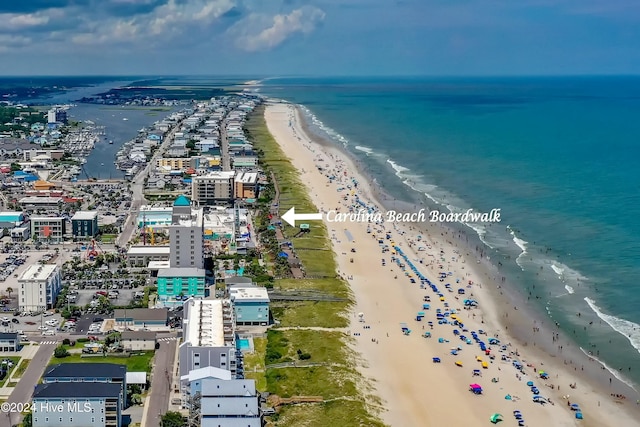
pixel 560 157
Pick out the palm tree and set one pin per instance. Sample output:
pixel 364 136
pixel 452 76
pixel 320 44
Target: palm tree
pixel 9 291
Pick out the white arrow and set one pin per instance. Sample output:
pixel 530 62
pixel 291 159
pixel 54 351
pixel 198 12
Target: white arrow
pixel 291 217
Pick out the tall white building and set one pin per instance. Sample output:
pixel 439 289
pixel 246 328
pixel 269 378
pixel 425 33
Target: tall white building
pixel 214 188
pixel 39 286
pixel 186 235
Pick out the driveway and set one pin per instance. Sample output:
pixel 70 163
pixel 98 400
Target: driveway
pixel 23 391
pixel 161 383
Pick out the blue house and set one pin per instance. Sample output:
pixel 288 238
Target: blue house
pixel 88 373
pixel 250 304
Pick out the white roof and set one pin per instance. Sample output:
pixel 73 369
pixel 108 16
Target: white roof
pixel 207 372
pixel 149 250
pixel 247 177
pixel 216 175
pixel 136 377
pixel 249 293
pixel 40 200
pixel 38 272
pixel 80 215
pixel 204 327
pixel 156 265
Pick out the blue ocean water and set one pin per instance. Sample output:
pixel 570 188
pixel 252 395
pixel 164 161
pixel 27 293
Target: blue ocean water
pixel 559 156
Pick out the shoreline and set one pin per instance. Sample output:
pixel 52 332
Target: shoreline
pixel 450 241
pixel 595 371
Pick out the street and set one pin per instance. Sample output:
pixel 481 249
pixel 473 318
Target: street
pixel 137 190
pixel 161 383
pixel 23 391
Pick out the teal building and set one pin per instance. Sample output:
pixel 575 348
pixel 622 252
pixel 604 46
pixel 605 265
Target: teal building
pixel 176 284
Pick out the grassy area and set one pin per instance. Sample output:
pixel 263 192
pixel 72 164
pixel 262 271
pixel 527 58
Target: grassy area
pixel 340 412
pixel 322 346
pixel 337 377
pixel 293 193
pixel 15 361
pixel 141 363
pixel 108 238
pixel 311 313
pixel 328 382
pixel 24 364
pixel 254 363
pixel 329 286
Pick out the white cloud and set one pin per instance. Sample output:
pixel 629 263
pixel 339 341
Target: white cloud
pixel 277 30
pixel 16 22
pixel 170 20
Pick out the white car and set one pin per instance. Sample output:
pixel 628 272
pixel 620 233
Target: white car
pixel 42 328
pixel 49 332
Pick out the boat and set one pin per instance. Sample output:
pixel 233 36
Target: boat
pixel 125 119
pixel 101 164
pixel 110 141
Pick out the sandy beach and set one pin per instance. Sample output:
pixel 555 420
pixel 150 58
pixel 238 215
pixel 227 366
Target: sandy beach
pixel 415 390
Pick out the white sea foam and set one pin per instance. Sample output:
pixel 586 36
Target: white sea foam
pixel 396 167
pixel 326 129
pixel 368 151
pixel 559 270
pixel 520 243
pixel 628 329
pixel 569 289
pixel 613 372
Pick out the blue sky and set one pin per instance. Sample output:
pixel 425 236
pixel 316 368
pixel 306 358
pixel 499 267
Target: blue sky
pixel 321 37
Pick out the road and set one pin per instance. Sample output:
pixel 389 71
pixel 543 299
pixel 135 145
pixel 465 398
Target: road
pixel 137 189
pixel 23 391
pixel 161 383
pixel 224 145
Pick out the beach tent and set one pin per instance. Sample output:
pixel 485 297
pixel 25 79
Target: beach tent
pixel 575 407
pixel 495 418
pixel 529 383
pixel 578 415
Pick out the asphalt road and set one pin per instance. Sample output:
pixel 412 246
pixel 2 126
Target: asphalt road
pixel 23 392
pixel 161 383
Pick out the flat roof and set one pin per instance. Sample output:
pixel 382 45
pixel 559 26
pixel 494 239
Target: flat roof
pixel 216 174
pixel 157 265
pixel 77 389
pixel 46 218
pixel 149 250
pixel 247 177
pixel 203 325
pixel 40 200
pixel 138 335
pixel 182 272
pixel 248 293
pixel 84 215
pixel 136 378
pixel 38 272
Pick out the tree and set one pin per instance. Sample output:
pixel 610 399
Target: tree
pixel 27 421
pixel 60 352
pixel 172 419
pixel 9 291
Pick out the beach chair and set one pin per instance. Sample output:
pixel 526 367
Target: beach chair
pixel 436 360
pixel 459 363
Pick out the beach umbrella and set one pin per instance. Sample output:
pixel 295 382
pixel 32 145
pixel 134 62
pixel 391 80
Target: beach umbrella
pixel 529 383
pixel 495 418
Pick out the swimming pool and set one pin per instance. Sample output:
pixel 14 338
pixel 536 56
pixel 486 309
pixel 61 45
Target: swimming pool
pixel 244 344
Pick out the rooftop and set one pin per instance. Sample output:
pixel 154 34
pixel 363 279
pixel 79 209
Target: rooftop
pixel 248 293
pixel 84 215
pixel 78 389
pixel 138 335
pixel 40 200
pixel 8 335
pixel 247 177
pixel 207 372
pixel 85 370
pixel 149 250
pixel 203 325
pixel 136 378
pixel 182 272
pixel 216 175
pixel 38 272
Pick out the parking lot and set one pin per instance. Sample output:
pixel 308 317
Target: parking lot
pixel 30 325
pixel 85 296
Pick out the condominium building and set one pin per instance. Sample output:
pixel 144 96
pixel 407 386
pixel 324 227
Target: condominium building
pixel 39 286
pixel 186 235
pixel 48 229
pixel 213 188
pixel 84 224
pixel 208 330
